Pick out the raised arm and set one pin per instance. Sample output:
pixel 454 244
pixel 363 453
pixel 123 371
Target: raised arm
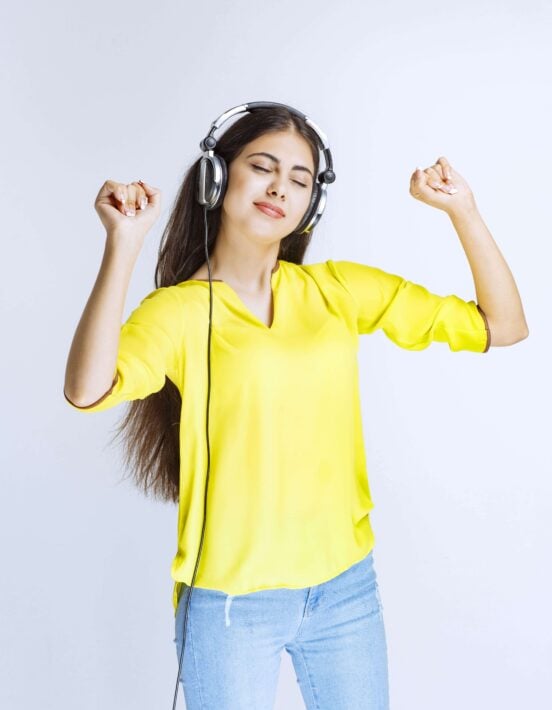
pixel 497 295
pixel 91 366
pixel 91 370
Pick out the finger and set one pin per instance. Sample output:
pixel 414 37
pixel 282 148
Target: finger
pixel 109 192
pixel 445 166
pixel 437 184
pixel 439 170
pixel 152 193
pixel 418 182
pixel 420 177
pixel 434 179
pixel 428 176
pixel 140 199
pixel 130 202
pixel 121 195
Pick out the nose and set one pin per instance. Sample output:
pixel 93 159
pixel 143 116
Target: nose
pixel 277 189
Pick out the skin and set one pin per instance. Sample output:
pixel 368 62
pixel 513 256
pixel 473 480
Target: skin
pixel 246 250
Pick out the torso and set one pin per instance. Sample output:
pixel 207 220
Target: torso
pixel 261 305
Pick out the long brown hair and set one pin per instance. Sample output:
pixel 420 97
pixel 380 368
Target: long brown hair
pixel 150 427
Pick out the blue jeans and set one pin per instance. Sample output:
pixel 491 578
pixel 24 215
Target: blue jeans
pixel 333 631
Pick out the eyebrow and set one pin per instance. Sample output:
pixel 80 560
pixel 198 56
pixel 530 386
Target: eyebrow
pixel 277 160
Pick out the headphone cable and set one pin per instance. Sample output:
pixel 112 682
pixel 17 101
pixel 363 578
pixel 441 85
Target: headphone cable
pixel 208 459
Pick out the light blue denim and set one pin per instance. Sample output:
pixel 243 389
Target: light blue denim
pixel 334 633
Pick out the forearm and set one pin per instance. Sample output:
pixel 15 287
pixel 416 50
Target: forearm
pixel 496 290
pixel 91 364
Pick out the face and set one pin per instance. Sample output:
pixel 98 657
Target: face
pixel 286 181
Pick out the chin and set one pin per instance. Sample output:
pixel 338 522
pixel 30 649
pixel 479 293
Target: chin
pixel 262 226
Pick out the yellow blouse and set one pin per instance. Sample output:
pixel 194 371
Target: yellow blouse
pixel 288 500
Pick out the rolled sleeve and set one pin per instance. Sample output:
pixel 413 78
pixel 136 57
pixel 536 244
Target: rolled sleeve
pixel 149 351
pixel 411 316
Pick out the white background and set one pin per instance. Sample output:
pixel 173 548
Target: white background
pixel 457 443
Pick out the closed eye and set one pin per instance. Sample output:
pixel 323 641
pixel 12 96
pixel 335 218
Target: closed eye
pixel 258 167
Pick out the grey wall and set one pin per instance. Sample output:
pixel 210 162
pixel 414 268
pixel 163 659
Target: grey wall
pixel 457 443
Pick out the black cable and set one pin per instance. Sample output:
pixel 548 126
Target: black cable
pixel 208 458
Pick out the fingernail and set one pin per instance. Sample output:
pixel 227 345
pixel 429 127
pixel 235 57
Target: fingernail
pixel 143 203
pixel 130 213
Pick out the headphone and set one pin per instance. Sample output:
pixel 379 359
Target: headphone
pixel 211 188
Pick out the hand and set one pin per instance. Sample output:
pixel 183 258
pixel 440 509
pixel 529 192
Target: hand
pixel 432 186
pixel 128 210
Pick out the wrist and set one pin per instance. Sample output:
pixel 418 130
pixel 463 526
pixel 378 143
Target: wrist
pixel 463 210
pixel 119 243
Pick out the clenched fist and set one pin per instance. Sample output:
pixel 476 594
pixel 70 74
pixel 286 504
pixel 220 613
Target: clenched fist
pixel 442 187
pixel 128 210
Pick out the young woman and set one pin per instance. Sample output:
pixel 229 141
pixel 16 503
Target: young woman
pixel 288 556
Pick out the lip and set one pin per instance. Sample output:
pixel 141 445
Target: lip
pixel 270 209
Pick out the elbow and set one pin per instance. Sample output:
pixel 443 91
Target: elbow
pixel 520 334
pixel 509 337
pixel 506 334
pixel 81 403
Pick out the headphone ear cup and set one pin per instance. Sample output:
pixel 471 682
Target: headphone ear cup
pixel 204 181
pixel 313 206
pixel 211 165
pixel 223 182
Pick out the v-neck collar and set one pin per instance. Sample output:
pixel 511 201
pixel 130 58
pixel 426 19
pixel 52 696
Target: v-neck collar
pixel 274 281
